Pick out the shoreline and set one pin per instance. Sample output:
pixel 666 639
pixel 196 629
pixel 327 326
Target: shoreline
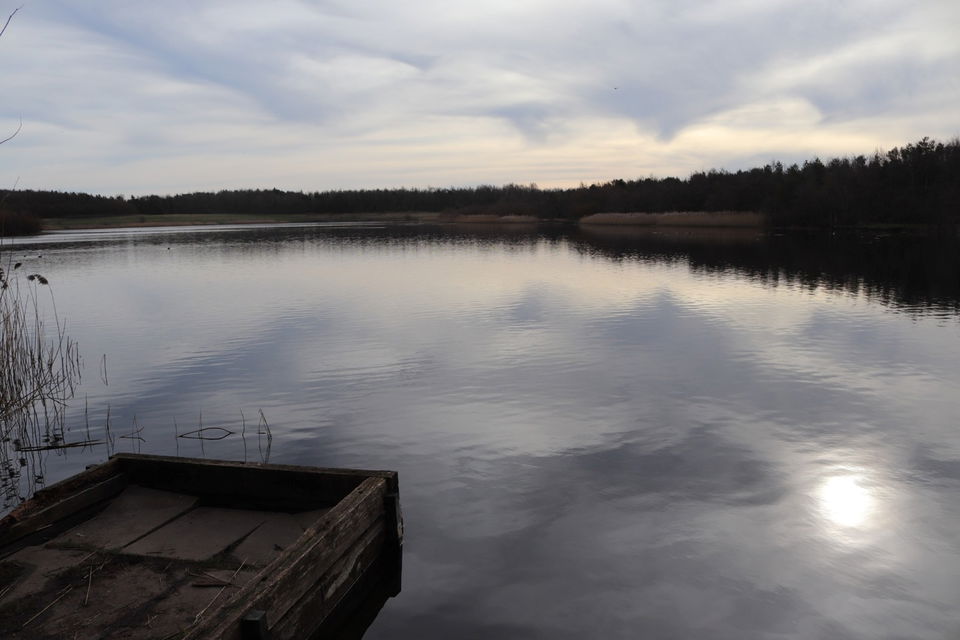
pixel 700 219
pixel 197 219
pixel 690 220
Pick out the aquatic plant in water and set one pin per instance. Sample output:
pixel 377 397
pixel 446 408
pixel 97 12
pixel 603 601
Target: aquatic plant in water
pixel 39 368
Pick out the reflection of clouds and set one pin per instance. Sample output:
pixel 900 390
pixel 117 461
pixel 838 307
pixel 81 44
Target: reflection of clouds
pixel 590 341
pixel 669 437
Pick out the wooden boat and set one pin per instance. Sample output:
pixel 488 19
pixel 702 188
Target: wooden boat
pixel 175 548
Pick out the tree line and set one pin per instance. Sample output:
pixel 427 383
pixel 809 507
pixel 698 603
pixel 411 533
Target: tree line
pixel 918 183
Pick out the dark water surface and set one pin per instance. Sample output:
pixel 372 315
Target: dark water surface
pixel 599 434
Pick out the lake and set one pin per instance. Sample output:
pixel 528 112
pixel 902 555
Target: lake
pixel 603 433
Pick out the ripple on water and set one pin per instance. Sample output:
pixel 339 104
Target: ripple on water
pixel 594 437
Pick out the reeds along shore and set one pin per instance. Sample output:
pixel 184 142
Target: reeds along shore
pixel 19 224
pixel 679 219
pixel 39 365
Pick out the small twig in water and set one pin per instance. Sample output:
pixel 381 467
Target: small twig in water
pixel 201 434
pixel 64 445
pixel 264 429
pixel 135 434
pixel 243 433
pixel 110 438
pixel 176 433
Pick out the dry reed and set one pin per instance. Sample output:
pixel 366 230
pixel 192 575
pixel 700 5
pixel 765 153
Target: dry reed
pixel 39 367
pixel 679 219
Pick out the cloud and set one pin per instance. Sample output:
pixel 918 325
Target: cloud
pixel 314 95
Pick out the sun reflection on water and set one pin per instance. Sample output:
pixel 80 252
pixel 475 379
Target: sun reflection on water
pixel 846 501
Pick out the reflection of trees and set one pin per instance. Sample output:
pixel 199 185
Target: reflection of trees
pixel 910 272
pixel 918 274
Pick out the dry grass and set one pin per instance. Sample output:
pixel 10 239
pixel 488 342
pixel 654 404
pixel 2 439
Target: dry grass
pixel 679 219
pixel 39 366
pixel 18 224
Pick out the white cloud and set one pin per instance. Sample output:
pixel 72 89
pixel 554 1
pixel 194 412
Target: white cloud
pixel 135 98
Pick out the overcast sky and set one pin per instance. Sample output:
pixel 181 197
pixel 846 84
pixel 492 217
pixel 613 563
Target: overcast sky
pixel 139 97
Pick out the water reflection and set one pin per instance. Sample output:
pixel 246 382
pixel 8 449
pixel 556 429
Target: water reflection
pixel 912 273
pixel 596 436
pixel 846 501
pixel 916 274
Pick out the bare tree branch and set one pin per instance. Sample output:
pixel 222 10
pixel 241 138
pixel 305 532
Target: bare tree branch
pixel 14 134
pixel 5 25
pixel 9 18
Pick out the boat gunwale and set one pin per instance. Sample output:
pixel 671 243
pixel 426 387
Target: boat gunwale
pixel 120 463
pixel 263 589
pixel 374 493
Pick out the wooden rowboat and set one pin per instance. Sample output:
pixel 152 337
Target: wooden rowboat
pixel 176 548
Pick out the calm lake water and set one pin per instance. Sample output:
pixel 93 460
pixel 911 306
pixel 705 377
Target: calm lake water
pixel 599 434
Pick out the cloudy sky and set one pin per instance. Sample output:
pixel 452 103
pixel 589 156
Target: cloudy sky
pixel 134 97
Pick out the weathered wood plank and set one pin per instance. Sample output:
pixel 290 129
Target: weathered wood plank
pixel 328 544
pixel 278 532
pixel 306 615
pixel 275 486
pixel 198 534
pixel 132 514
pixel 394 550
pixel 361 528
pixel 57 492
pixel 358 608
pixel 285 581
pixel 13 530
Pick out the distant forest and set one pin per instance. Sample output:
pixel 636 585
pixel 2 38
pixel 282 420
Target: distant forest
pixel 915 184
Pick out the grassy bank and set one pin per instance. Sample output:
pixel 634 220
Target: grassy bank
pixel 678 219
